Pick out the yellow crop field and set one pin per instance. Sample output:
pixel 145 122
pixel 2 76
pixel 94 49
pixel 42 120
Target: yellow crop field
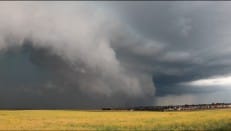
pixel 114 120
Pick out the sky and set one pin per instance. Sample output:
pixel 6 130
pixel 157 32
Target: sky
pixel 114 54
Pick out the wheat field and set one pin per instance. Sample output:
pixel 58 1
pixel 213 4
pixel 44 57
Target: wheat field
pixel 114 120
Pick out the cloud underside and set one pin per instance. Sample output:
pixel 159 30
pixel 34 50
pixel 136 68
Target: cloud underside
pixel 94 54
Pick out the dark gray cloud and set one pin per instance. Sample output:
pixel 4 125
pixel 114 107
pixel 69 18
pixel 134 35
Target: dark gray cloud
pixel 194 39
pixel 94 54
pixel 36 78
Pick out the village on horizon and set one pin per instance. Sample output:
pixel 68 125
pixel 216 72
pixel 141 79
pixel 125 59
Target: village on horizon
pixel 186 107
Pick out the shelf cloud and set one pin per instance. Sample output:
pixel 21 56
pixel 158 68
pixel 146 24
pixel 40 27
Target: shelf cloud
pixel 96 54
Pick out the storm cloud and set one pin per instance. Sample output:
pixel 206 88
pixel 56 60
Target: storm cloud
pixel 64 57
pixel 95 54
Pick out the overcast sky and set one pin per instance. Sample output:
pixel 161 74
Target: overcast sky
pixel 97 54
